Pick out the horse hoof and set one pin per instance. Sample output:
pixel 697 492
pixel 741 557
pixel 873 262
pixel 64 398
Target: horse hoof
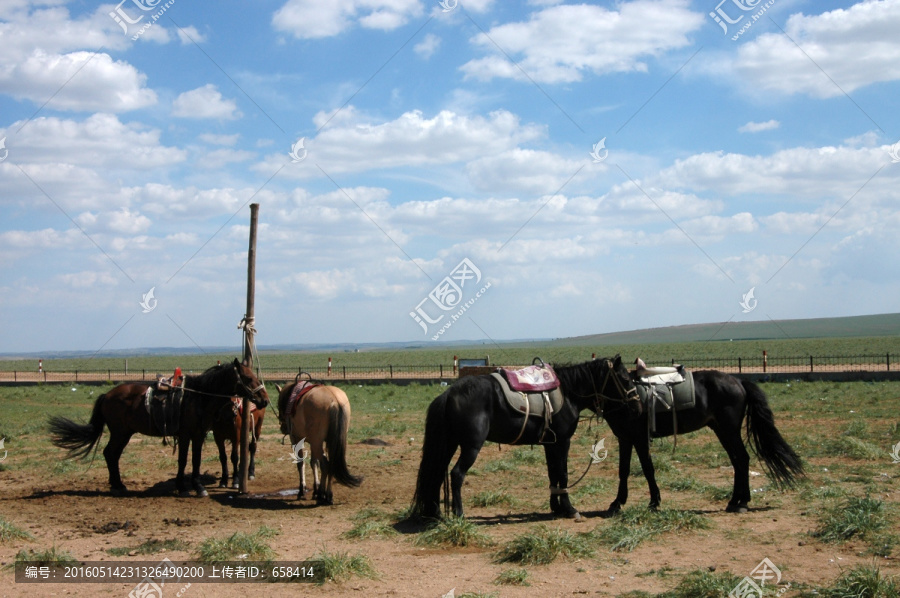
pixel 736 509
pixel 252 477
pixel 577 517
pixel 184 494
pixel 118 492
pixel 223 484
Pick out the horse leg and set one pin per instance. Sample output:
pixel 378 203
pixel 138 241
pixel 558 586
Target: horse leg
pixel 183 442
pixel 625 446
pixel 740 462
pixel 251 469
pixel 196 448
pixel 325 496
pixel 223 458
pixel 557 470
pixel 467 456
pixel 111 453
pixel 643 451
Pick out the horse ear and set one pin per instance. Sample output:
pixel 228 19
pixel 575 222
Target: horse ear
pixel 236 362
pixel 618 361
pixel 278 388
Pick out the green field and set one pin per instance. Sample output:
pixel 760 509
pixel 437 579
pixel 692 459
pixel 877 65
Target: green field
pixel 501 354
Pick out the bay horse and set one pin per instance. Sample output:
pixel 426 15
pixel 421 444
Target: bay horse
pixel 229 425
pixel 321 417
pixel 722 401
pixel 123 411
pixel 474 410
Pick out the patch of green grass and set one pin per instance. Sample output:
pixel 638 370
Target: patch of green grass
pixel 634 526
pixel 493 498
pixel 49 556
pixel 454 531
pixel 857 516
pixel 214 550
pixel 478 595
pixel 341 566
pixel 513 577
pixel 543 545
pixel 9 532
pixel 703 584
pixel 370 523
pixel 149 547
pixel 862 582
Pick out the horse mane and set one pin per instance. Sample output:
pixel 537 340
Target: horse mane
pixel 208 377
pixel 578 375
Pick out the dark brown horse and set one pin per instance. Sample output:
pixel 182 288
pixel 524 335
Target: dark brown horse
pixel 123 410
pixel 229 426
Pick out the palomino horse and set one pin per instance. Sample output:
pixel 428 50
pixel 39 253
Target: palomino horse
pixel 229 426
pixel 124 411
pixel 321 416
pixel 474 410
pixel 721 403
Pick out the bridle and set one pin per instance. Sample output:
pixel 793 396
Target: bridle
pixel 626 394
pixel 251 392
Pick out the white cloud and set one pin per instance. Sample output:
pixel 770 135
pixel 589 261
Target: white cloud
pixel 522 170
pixel 842 50
pixel 100 141
pixel 205 102
pixel 190 35
pixel 754 127
pixel 349 144
pixel 428 46
pixel 561 43
pixel 325 18
pixel 84 81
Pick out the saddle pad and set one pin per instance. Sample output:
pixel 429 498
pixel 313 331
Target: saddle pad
pixel 517 400
pixel 301 389
pixel 667 391
pixel 164 408
pixel 533 378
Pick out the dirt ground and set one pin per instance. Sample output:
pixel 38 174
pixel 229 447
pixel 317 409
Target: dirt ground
pixel 79 515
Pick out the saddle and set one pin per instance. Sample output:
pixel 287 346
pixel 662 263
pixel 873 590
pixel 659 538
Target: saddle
pixel 664 390
pixel 163 402
pixel 289 409
pixel 541 404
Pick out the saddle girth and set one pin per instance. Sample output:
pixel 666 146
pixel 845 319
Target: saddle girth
pixel 534 404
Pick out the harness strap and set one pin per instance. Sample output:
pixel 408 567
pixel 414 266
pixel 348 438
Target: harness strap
pixel 525 422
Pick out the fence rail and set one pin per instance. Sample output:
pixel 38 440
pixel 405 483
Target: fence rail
pixel 761 364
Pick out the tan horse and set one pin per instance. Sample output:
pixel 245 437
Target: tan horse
pixel 322 418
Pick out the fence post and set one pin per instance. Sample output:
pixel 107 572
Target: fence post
pixel 392 370
pixel 810 363
pixel 739 365
pixel 887 361
pixel 345 371
pixel 76 375
pixel 455 365
pixel 765 361
pixel 442 370
pixel 329 366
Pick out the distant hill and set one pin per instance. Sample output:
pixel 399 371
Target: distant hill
pixel 881 325
pixel 845 327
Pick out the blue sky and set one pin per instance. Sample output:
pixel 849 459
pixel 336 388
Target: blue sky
pixel 446 168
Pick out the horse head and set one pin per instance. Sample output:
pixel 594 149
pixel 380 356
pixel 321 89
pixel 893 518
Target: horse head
pixel 625 385
pixel 248 385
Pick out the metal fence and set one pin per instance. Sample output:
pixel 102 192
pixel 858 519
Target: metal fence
pixel 761 364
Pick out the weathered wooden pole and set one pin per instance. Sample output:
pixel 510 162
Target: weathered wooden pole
pixel 249 331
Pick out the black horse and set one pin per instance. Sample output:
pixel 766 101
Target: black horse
pixel 124 411
pixel 721 402
pixel 474 410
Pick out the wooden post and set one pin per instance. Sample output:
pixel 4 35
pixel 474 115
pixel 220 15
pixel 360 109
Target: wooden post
pixel 248 347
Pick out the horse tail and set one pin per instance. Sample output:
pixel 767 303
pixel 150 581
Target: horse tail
pixel 781 461
pixel 433 467
pixel 336 443
pixel 78 439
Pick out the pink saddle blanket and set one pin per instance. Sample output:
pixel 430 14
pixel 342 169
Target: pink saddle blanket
pixel 299 390
pixel 533 378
